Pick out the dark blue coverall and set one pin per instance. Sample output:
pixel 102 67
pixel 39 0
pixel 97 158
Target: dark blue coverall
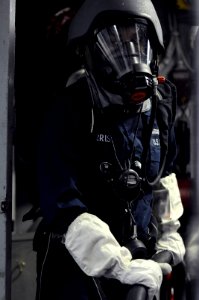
pixel 81 154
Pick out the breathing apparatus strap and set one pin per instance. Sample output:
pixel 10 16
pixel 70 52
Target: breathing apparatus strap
pixel 146 142
pixel 163 110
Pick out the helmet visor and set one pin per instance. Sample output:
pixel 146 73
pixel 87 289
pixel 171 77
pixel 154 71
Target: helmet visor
pixel 122 46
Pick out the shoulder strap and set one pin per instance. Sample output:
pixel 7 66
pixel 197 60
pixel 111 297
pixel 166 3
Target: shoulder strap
pixel 164 111
pixel 165 116
pixel 166 108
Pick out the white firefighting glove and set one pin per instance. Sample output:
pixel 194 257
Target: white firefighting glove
pixel 168 209
pixel 97 253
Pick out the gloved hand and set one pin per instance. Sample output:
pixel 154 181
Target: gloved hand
pixel 97 253
pixel 165 259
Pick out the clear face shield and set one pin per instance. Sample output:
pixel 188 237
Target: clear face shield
pixel 122 58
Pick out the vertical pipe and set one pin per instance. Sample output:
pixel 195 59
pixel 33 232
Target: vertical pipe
pixel 7 49
pixel 196 136
pixel 192 245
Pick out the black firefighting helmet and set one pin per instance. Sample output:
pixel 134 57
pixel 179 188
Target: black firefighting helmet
pixel 123 39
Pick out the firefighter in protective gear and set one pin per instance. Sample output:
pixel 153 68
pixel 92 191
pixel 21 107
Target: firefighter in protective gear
pixel 108 195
